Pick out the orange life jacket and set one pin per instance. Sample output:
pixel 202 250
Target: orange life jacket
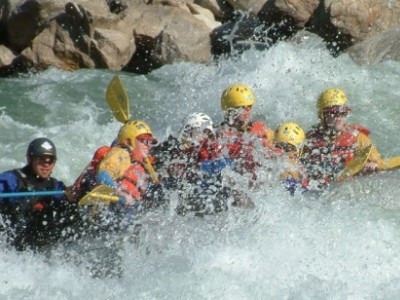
pixel 86 180
pixel 331 155
pixel 209 150
pixel 341 149
pixel 259 129
pixel 134 180
pixel 99 155
pixel 239 148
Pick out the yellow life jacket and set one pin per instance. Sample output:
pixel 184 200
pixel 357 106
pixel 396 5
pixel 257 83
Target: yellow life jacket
pixel 116 162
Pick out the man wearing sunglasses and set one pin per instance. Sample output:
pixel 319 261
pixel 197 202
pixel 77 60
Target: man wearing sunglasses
pixel 35 221
pixel 332 143
pixel 123 166
pixel 239 134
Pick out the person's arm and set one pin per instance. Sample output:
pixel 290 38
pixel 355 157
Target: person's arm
pixel 375 161
pixel 8 184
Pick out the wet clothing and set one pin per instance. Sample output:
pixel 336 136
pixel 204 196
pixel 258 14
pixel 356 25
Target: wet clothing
pixel 293 175
pixel 195 172
pixel 326 155
pixel 87 180
pixel 35 222
pixel 118 167
pixel 239 146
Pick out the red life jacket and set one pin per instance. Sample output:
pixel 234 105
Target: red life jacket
pixel 341 149
pixel 332 155
pixel 234 140
pixel 187 160
pixel 259 129
pixel 134 180
pixel 98 156
pixel 239 145
pixel 86 181
pixel 209 150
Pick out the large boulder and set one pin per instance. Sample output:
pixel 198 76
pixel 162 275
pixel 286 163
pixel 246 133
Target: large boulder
pixel 343 23
pixel 8 66
pixel 240 34
pixel 299 10
pixel 28 18
pixel 284 18
pixel 363 19
pixel 115 48
pixel 203 14
pixel 6 56
pixel 173 35
pixel 262 23
pixel 55 47
pixel 251 6
pixel 221 9
pixel 72 42
pixel 378 48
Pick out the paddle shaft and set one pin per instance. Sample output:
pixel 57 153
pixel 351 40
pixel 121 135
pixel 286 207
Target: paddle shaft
pixel 391 163
pixel 31 194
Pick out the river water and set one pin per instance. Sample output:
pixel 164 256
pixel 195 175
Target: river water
pixel 339 244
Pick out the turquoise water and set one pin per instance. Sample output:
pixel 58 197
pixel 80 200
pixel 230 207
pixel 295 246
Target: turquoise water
pixel 341 244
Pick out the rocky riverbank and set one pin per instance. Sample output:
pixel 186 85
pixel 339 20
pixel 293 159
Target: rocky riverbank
pixel 142 35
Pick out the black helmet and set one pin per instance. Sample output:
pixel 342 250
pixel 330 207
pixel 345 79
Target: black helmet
pixel 40 147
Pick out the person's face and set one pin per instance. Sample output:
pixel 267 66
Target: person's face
pixel 336 120
pixel 197 135
pixel 241 116
pixel 43 166
pixel 289 149
pixel 245 114
pixel 143 146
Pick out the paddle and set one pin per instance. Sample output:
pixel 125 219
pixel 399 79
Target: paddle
pixel 31 194
pixel 101 193
pixel 118 101
pixel 356 164
pixel 391 163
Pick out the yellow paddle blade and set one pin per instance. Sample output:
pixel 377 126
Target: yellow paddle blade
pixel 117 99
pixel 356 164
pixel 391 163
pixel 101 194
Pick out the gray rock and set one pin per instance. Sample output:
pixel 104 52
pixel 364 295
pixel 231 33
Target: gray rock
pixel 378 48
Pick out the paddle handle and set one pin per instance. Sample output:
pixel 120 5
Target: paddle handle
pixel 392 163
pixel 31 194
pixel 109 198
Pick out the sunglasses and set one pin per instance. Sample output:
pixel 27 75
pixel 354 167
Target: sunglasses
pixel 245 108
pixel 147 142
pixel 45 159
pixel 336 114
pixel 286 147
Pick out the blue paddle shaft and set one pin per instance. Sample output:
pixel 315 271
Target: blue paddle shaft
pixel 31 194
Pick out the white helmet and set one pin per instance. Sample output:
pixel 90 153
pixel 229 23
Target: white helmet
pixel 195 125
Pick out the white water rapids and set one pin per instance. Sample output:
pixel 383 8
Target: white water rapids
pixel 339 244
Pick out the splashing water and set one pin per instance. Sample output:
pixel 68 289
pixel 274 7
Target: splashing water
pixel 341 243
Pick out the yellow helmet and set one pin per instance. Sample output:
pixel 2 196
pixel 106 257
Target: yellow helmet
pixel 290 133
pixel 237 95
pixel 331 97
pixel 132 129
